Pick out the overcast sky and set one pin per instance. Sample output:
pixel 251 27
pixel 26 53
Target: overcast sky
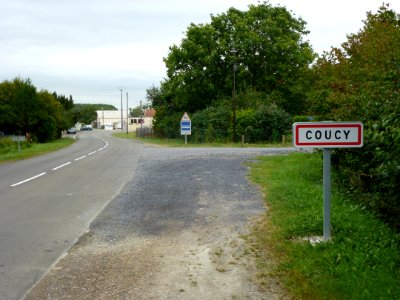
pixel 90 48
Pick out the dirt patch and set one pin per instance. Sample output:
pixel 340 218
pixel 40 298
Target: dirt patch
pixel 215 263
pixel 176 231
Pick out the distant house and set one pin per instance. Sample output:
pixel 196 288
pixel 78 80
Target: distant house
pixel 111 119
pixel 149 114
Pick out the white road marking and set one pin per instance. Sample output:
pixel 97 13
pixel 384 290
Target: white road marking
pixel 29 179
pixel 63 165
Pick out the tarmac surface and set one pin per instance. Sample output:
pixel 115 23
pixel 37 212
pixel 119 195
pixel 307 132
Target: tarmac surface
pixel 177 230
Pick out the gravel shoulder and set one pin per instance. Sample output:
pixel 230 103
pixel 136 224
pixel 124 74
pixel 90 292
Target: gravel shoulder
pixel 177 230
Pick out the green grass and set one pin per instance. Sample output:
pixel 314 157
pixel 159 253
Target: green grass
pixel 9 150
pixel 361 262
pixel 181 142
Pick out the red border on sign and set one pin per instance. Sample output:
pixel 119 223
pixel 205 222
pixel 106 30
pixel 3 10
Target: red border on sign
pixel 327 144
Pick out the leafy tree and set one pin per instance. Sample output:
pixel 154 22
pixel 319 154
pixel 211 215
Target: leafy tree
pixel 24 110
pixel 154 96
pixel 19 106
pixel 87 113
pixel 262 47
pixel 103 106
pixel 67 103
pixel 360 81
pixel 136 112
pixel 166 124
pixel 51 121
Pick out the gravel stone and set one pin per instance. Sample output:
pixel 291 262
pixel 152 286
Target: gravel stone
pixel 175 231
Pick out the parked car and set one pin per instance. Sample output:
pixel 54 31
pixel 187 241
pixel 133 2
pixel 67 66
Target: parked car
pixel 72 130
pixel 86 127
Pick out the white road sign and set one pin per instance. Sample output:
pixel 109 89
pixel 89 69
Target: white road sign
pixel 328 134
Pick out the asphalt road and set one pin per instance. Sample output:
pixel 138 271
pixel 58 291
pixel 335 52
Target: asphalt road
pixel 173 232
pixel 47 203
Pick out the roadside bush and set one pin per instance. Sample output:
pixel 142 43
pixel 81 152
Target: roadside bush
pixel 268 123
pixel 212 124
pixel 271 122
pixel 167 125
pixel 245 121
pixel 48 130
pixel 7 145
pixel 25 110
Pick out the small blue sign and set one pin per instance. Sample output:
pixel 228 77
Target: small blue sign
pixel 186 124
pixel 186 127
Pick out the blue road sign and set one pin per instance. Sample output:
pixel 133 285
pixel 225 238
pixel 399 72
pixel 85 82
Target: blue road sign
pixel 186 127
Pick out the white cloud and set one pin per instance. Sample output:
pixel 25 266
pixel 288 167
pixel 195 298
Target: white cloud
pixel 87 48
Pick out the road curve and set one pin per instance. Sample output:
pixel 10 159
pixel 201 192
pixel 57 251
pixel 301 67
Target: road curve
pixel 47 202
pixel 175 231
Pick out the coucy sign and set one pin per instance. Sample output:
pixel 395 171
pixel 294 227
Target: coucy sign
pixel 328 134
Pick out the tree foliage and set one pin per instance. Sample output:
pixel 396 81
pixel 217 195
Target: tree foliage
pixel 212 124
pixel 136 112
pixel 87 113
pixel 264 44
pixel 268 123
pixel 262 48
pixel 24 110
pixel 42 114
pixel 360 81
pixel 19 106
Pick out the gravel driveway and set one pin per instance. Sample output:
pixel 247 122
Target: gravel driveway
pixel 174 232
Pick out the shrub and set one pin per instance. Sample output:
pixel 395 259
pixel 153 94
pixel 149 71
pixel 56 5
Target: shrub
pixel 271 122
pixel 7 145
pixel 212 124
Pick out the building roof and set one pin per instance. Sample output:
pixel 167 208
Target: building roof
pixel 149 113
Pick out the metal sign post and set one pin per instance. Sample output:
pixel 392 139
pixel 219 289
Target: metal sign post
pixel 327 194
pixel 18 139
pixel 327 135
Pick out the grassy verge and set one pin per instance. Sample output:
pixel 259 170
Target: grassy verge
pixel 361 262
pixel 10 152
pixel 181 142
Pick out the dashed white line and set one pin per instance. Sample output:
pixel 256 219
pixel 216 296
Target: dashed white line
pixel 79 158
pixel 29 179
pixel 59 167
pixel 63 165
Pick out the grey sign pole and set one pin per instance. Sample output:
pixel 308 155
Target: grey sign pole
pixel 327 193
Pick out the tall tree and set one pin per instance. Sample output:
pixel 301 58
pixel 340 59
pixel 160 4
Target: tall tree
pixel 262 47
pixel 24 110
pixel 19 106
pixel 50 117
pixel 67 103
pixel 360 81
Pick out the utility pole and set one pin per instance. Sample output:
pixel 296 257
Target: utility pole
pixel 127 113
pixel 234 51
pixel 121 88
pixel 102 110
